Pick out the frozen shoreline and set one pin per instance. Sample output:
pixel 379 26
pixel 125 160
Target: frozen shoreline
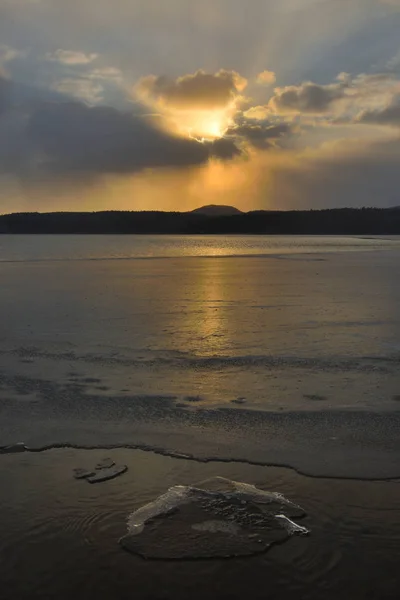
pixel 322 444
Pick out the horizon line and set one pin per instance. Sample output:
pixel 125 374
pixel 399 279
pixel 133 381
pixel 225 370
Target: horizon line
pixel 186 212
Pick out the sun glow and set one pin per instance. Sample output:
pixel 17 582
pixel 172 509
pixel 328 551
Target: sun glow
pixel 210 129
pixel 201 125
pixel 201 105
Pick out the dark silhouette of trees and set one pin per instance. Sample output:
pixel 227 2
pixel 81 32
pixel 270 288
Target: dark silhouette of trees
pixel 364 221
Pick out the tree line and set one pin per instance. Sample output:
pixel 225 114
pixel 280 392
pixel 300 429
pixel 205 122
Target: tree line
pixel 346 221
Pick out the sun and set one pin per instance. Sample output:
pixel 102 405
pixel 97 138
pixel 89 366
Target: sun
pixel 204 125
pixel 201 124
pixel 212 129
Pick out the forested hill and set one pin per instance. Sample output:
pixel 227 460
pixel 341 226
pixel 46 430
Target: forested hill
pixel 365 221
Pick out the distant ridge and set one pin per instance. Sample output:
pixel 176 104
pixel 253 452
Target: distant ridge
pixel 217 210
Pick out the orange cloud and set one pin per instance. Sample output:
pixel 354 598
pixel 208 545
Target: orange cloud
pixel 198 91
pixel 198 105
pixel 257 113
pixel 266 78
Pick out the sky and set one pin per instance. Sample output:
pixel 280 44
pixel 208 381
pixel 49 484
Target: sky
pixel 173 104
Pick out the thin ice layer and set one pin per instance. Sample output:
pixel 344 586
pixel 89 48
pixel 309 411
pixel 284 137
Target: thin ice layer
pixel 107 474
pixel 172 499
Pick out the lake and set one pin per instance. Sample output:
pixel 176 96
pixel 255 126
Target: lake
pixel 271 360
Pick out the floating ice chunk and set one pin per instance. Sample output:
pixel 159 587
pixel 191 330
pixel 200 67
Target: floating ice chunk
pixel 215 518
pixel 83 473
pixel 106 463
pixel 104 470
pixel 106 474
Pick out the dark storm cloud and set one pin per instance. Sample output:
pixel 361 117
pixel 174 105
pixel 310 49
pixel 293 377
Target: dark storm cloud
pixel 198 91
pixel 76 137
pixel 223 148
pixel 55 138
pixel 307 98
pixel 261 136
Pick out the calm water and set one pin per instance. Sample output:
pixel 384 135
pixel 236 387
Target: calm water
pixel 106 247
pixel 60 536
pixel 268 351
